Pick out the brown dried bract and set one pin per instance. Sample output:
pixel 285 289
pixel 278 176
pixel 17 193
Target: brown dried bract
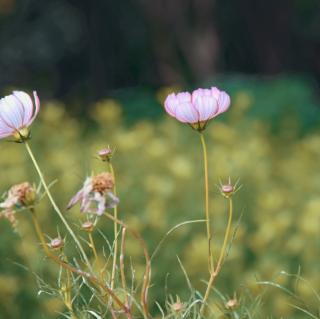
pixel 102 182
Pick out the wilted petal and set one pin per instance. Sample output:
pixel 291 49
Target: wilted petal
pixel 187 113
pixel 85 204
pixel 101 204
pixel 112 200
pixel 75 199
pixel 10 202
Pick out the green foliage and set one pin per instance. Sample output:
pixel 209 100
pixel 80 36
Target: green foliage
pixel 264 139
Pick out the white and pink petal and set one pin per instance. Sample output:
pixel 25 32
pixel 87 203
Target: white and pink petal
pixel 206 106
pixel 223 102
pixel 186 113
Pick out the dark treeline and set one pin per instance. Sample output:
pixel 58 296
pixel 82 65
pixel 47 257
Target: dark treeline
pixel 77 48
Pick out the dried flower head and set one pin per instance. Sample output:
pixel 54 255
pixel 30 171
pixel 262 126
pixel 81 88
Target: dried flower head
pixel 102 182
pixel 17 112
pixel 96 194
pixel 198 107
pixel 56 243
pixel 20 195
pixel 23 194
pixel 105 154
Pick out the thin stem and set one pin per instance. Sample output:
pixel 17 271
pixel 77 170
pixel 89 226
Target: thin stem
pixel 55 206
pixel 115 229
pixel 121 257
pixel 206 190
pixel 226 236
pixel 67 292
pixel 216 271
pixel 93 247
pixel 147 274
pixel 71 268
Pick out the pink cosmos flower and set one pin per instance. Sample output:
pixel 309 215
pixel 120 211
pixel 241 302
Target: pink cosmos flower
pixel 198 107
pixel 96 195
pixel 17 112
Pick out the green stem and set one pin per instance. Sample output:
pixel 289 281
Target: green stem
pixel 121 261
pixel 206 208
pixel 56 208
pixel 115 229
pixel 216 271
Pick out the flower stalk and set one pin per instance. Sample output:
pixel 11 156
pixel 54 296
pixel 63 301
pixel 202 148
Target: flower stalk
pixel 217 269
pixel 121 261
pixel 115 229
pixel 55 206
pixel 206 206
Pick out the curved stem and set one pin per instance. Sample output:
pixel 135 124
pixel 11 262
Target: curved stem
pixel 206 206
pixel 115 229
pixel 216 271
pixel 55 206
pixel 147 274
pixel 71 268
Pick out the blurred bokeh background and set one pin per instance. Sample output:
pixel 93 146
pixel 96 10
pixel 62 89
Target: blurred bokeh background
pixel 102 70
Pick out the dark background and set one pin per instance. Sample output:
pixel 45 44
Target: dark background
pixel 80 51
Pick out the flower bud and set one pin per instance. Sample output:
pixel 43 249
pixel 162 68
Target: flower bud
pixel 87 226
pixel 56 243
pixel 177 306
pixel 105 154
pixel 231 304
pixel 227 190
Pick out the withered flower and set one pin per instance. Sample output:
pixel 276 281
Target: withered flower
pixel 20 195
pixel 96 194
